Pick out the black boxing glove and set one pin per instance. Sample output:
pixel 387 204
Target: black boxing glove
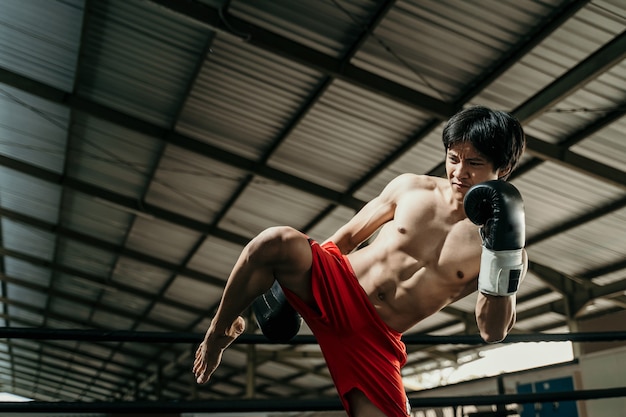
pixel 498 208
pixel 276 318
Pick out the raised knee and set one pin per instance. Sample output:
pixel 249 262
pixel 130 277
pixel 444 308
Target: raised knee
pixel 274 243
pixel 278 235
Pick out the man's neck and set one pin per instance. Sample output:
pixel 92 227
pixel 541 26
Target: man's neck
pixel 455 204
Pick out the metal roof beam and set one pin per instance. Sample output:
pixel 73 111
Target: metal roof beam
pixel 613 292
pixel 542 31
pixel 597 63
pixel 45 386
pixel 59 352
pixel 603 270
pixel 119 199
pixel 202 148
pixel 53 348
pixel 82 301
pixel 572 223
pixel 558 281
pixel 312 58
pixel 82 353
pixel 572 160
pixel 535 146
pixel 578 291
pixel 102 244
pixel 50 378
pixel 550 24
pixel 557 306
pixel 44 263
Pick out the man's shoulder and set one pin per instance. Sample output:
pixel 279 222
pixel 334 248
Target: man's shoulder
pixel 418 182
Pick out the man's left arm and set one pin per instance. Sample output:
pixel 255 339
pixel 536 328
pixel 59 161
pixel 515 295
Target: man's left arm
pixel 497 207
pixel 495 315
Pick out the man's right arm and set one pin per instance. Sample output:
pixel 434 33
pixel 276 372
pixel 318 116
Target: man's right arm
pixel 373 215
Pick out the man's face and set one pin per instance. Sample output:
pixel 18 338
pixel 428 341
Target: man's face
pixel 465 167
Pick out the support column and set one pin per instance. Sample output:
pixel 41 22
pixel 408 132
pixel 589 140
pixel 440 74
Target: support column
pixel 571 309
pixel 194 386
pixel 251 371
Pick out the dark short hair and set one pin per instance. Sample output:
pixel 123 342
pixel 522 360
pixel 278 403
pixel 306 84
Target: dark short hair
pixel 497 135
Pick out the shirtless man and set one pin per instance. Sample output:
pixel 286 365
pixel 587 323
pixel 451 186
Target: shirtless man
pixel 427 255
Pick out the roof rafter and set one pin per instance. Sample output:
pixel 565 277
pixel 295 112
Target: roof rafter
pixel 96 280
pixel 335 67
pixel 578 292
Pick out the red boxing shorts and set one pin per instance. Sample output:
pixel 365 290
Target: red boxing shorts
pixel 360 350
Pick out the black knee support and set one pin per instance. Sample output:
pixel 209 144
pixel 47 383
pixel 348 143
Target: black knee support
pixel 276 318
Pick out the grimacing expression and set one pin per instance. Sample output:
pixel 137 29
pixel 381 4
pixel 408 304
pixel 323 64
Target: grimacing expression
pixel 465 166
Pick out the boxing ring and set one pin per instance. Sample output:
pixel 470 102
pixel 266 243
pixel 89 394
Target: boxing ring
pixel 287 404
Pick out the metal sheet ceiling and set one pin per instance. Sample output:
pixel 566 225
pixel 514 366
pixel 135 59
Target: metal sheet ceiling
pixel 143 143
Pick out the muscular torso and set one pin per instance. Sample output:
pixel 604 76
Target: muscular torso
pixel 421 260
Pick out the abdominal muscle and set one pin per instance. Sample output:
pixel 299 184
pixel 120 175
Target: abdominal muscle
pixel 403 289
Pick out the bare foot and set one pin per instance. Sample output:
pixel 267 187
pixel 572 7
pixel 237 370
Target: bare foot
pixel 209 353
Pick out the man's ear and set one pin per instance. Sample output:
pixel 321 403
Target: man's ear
pixel 504 172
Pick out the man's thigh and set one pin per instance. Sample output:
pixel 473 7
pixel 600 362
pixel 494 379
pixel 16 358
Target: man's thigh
pixel 361 406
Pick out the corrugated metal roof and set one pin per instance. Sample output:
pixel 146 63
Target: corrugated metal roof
pixel 243 89
pixel 139 60
pixel 41 39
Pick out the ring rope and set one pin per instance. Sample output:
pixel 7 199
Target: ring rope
pixel 287 404
pixel 93 335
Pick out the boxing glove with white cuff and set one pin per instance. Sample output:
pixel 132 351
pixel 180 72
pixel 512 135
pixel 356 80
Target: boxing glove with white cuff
pixel 498 208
